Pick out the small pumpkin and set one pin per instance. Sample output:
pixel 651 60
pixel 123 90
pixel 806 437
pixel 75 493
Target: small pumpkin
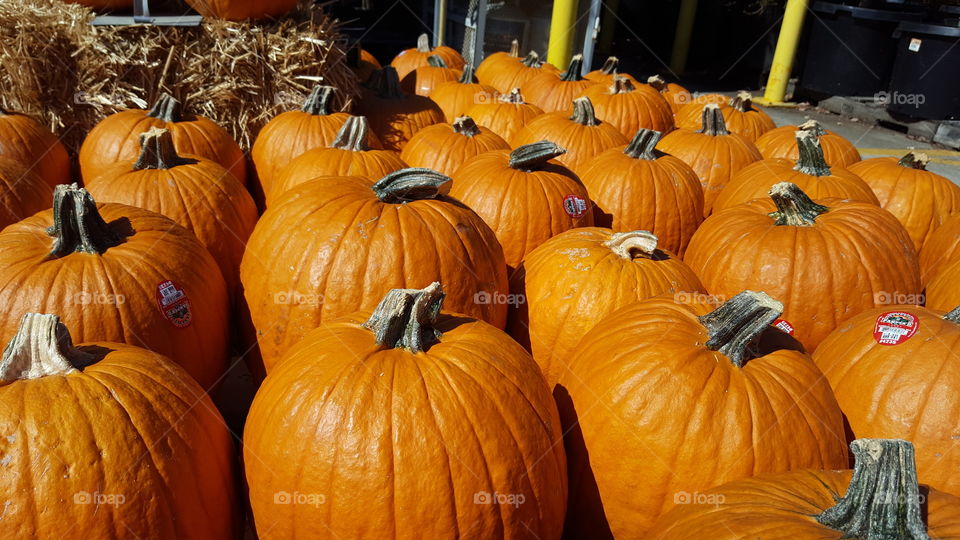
pixel 515 75
pixel 553 92
pixel 410 59
pixel 362 63
pixel 523 195
pixel 22 192
pixel 445 147
pixel 675 95
pixel 25 140
pixel 499 61
pixel 239 10
pixel 637 187
pixel 782 143
pixel 740 116
pixel 504 115
pixel 608 72
pixel 630 107
pixel 424 79
pixel 942 247
pixel 455 97
pixel 393 115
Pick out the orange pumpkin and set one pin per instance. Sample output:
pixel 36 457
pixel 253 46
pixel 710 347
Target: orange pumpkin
pixel 553 91
pixel 879 498
pixel 393 115
pixel 117 273
pixel 657 374
pixel 445 147
pixel 22 192
pixel 410 59
pixel 572 281
pixel 238 10
pixel 504 115
pixel 455 97
pixel 782 143
pixel 362 63
pixel 117 138
pixel 639 188
pixel 608 73
pixel 714 153
pixel 422 382
pixel 583 135
pixel 942 247
pixel 630 107
pixel 675 95
pixel 523 195
pixel 845 254
pixel 739 115
pixel 514 75
pixel 23 139
pixel 943 289
pixel 130 445
pixel 424 79
pixel 401 231
pixel 920 199
pixel 810 172
pixel 499 61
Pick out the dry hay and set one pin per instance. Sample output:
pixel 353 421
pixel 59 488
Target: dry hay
pixel 55 66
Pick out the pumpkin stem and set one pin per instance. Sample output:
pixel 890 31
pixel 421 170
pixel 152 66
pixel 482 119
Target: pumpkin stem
pixel 167 108
pixel 405 318
pixel 408 185
pixel 466 126
pixel 814 127
pixel 435 61
pixel 573 70
pixel 883 499
pixel 386 83
pixel 953 316
pixel 533 156
pixel 713 123
pixel 583 112
pixel 468 75
pixel 794 207
pixel 743 101
pixel 318 102
pixel 514 49
pixel 657 83
pixel 77 224
pixel 41 347
pixel 621 85
pixel 734 325
pixel 513 97
pixel 643 145
pixel 811 160
pixel 353 135
pixel 157 151
pixel 633 244
pixel 532 59
pixel 914 160
pixel 423 43
pixel 610 66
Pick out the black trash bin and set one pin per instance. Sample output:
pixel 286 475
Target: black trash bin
pixel 850 50
pixel 925 82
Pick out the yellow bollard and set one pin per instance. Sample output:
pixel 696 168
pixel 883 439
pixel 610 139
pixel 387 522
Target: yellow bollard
pixel 790 30
pixel 681 38
pixel 562 30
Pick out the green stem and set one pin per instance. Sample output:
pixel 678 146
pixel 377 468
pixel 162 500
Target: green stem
pixel 811 160
pixel 583 112
pixel 633 244
pixel 469 75
pixel 466 126
pixel 353 135
pixel 167 108
pixel 386 83
pixel 41 347
pixel 157 151
pixel 534 156
pixel 813 127
pixel 408 185
pixel 733 326
pixel 712 120
pixel 406 318
pixel 914 160
pixel 531 60
pixel 77 224
pixel 794 207
pixel 319 100
pixel 643 145
pixel 953 316
pixel 573 70
pixel 435 61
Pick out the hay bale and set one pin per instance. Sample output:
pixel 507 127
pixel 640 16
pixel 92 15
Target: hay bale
pixel 56 67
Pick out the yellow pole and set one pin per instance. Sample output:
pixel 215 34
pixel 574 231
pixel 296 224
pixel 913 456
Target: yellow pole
pixel 562 29
pixel 681 39
pixel 782 65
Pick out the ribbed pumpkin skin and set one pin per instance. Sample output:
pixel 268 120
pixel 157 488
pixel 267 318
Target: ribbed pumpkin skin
pixel 370 164
pixel 572 281
pixel 641 108
pixel 552 94
pixel 524 208
pixel 662 196
pixel 455 98
pixel 23 139
pixel 396 120
pixel 639 385
pixel 440 148
pixel 496 63
pixel 410 59
pixel 920 199
pixel 782 507
pixel 22 192
pixel 582 143
pixel 941 248
pixel 157 251
pixel 781 142
pixel 943 290
pixel 750 124
pixel 418 441
pixel 504 119
pixel 506 79
pixel 756 179
pixel 904 391
pixel 423 80
pixel 344 229
pixel 132 425
pixel 238 10
pixel 847 260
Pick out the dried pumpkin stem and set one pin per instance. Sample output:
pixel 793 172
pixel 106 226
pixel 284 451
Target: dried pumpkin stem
pixel 533 156
pixel 469 74
pixel 883 499
pixel 386 83
pixel 41 347
pixel 353 135
pixel 953 316
pixel 621 85
pixel 610 66
pixel 514 48
pixel 319 100
pixel 914 160
pixel 513 96
pixel 532 59
pixel 633 244
pixel 657 83
pixel 573 70
pixel 167 108
pixel 77 224
pixel 643 145
pixel 423 43
pixel 405 318
pixel 408 185
pixel 811 160
pixel 738 322
pixel 742 102
pixel 466 126
pixel 583 112
pixel 794 207
pixel 814 127
pixel 157 151
pixel 435 61
pixel 712 120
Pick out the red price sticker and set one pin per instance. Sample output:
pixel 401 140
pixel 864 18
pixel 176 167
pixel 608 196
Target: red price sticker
pixel 574 206
pixel 783 325
pixel 895 327
pixel 174 304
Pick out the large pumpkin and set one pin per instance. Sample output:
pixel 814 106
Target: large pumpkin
pixel 238 10
pixel 120 441
pixel 879 498
pixel 608 72
pixel 505 114
pixel 117 138
pixel 782 143
pixel 739 115
pixel 656 375
pixel 714 153
pixel 456 97
pixel 445 147
pixel 675 95
pixel 22 192
pixel 393 115
pixel 410 59
pixel 23 139
pixel 630 106
pixel 943 289
pixel 117 273
pixel 941 247
pixel 553 92
pixel 828 261
pixel 920 199
pixel 386 414
pixel 514 75
pixel 575 279
pixel 523 195
pixel 423 80
pixel 809 171
pixel 495 63
pixel 334 246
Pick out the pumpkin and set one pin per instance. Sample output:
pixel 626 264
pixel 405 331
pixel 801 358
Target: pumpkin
pixel 22 192
pixel 424 383
pixel 347 155
pixel 117 273
pixel 637 187
pixel 675 95
pixel 844 254
pixel 362 63
pixel 943 289
pixel 656 373
pixel 455 97
pixel 809 171
pixel 879 498
pixel 608 73
pixel 330 247
pixel 410 59
pixel 575 279
pixel 739 115
pixel 523 195
pixel 288 135
pixel 782 143
pixel 920 199
pixel 197 193
pixel 239 10
pixel 583 135
pixel 630 107
pixel 393 115
pixel 942 247
pixel 504 115
pixel 714 153
pixel 494 63
pixel 872 364
pixel 445 147
pixel 120 439
pixel 424 79
pixel 553 91
pixel 514 75
pixel 23 139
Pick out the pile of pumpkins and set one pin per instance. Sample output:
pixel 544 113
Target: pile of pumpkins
pixel 502 302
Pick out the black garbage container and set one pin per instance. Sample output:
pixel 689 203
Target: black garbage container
pixel 850 50
pixel 925 82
